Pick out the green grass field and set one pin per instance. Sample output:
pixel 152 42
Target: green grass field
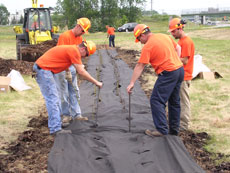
pixel 210 99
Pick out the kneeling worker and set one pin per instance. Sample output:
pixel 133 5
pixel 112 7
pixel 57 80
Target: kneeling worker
pixel 56 60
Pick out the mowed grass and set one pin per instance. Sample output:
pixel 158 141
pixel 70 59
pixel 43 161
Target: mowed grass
pixel 7 42
pixel 16 109
pixel 210 99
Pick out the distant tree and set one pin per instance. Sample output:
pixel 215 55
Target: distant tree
pixel 149 13
pixel 74 9
pixel 122 20
pixel 109 13
pixel 100 12
pixel 58 18
pixel 131 9
pixel 158 17
pixel 13 21
pixel 4 15
pixel 21 20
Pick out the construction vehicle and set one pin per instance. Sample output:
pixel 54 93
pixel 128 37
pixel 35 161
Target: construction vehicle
pixel 37 28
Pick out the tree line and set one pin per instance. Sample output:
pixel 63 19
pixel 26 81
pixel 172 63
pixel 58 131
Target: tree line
pixel 100 12
pixel 4 15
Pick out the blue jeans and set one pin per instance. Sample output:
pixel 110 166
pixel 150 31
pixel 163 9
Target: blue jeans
pixel 69 97
pixel 167 89
pixel 46 82
pixel 111 40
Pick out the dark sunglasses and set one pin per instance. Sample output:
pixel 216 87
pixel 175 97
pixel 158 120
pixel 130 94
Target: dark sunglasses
pixel 138 38
pixel 87 53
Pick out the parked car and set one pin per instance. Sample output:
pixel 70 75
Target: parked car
pixel 210 22
pixel 127 27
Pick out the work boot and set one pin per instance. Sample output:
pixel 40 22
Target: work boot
pixel 183 127
pixel 153 133
pixel 66 120
pixel 81 118
pixel 173 132
pixel 62 131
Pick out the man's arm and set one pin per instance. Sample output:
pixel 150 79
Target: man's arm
pixel 136 74
pixel 184 60
pixel 81 71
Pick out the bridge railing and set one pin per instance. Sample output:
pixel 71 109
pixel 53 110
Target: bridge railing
pixel 206 11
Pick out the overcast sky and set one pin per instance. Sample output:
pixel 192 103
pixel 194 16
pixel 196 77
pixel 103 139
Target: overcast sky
pixel 168 6
pixel 18 5
pixel 176 6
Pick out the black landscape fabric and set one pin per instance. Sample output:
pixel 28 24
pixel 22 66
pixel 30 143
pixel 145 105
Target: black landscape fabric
pixel 104 144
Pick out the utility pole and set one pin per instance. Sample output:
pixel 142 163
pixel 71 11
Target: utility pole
pixel 151 5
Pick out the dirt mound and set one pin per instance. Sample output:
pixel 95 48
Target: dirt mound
pixel 30 152
pixel 32 52
pixel 195 142
pixel 24 67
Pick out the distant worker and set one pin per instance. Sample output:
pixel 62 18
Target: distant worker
pixel 111 35
pixel 161 51
pixel 176 26
pixel 67 90
pixel 56 60
pixel 35 22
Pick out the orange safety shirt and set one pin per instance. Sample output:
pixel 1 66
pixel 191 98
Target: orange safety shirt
pixel 111 30
pixel 36 24
pixel 59 58
pixel 187 50
pixel 160 52
pixel 68 38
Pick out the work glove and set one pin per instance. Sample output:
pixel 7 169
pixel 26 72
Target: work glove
pixel 68 76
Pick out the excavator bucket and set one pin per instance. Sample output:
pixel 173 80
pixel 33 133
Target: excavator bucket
pixel 32 52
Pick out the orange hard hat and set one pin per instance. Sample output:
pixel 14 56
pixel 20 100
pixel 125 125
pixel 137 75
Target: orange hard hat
pixel 140 29
pixel 91 47
pixel 175 23
pixel 84 23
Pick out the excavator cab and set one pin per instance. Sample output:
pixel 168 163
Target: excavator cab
pixel 38 25
pixel 39 20
pixel 37 28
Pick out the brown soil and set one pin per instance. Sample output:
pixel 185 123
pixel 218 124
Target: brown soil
pixel 23 67
pixel 30 152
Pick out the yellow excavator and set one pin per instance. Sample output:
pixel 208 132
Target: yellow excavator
pixel 37 28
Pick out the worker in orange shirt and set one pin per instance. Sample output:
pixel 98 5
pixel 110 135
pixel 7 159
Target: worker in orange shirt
pixel 56 60
pixel 111 35
pixel 67 89
pixel 176 26
pixel 35 23
pixel 161 51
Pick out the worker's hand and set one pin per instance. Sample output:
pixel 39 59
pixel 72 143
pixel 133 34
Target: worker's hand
pixel 99 84
pixel 129 88
pixel 68 76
